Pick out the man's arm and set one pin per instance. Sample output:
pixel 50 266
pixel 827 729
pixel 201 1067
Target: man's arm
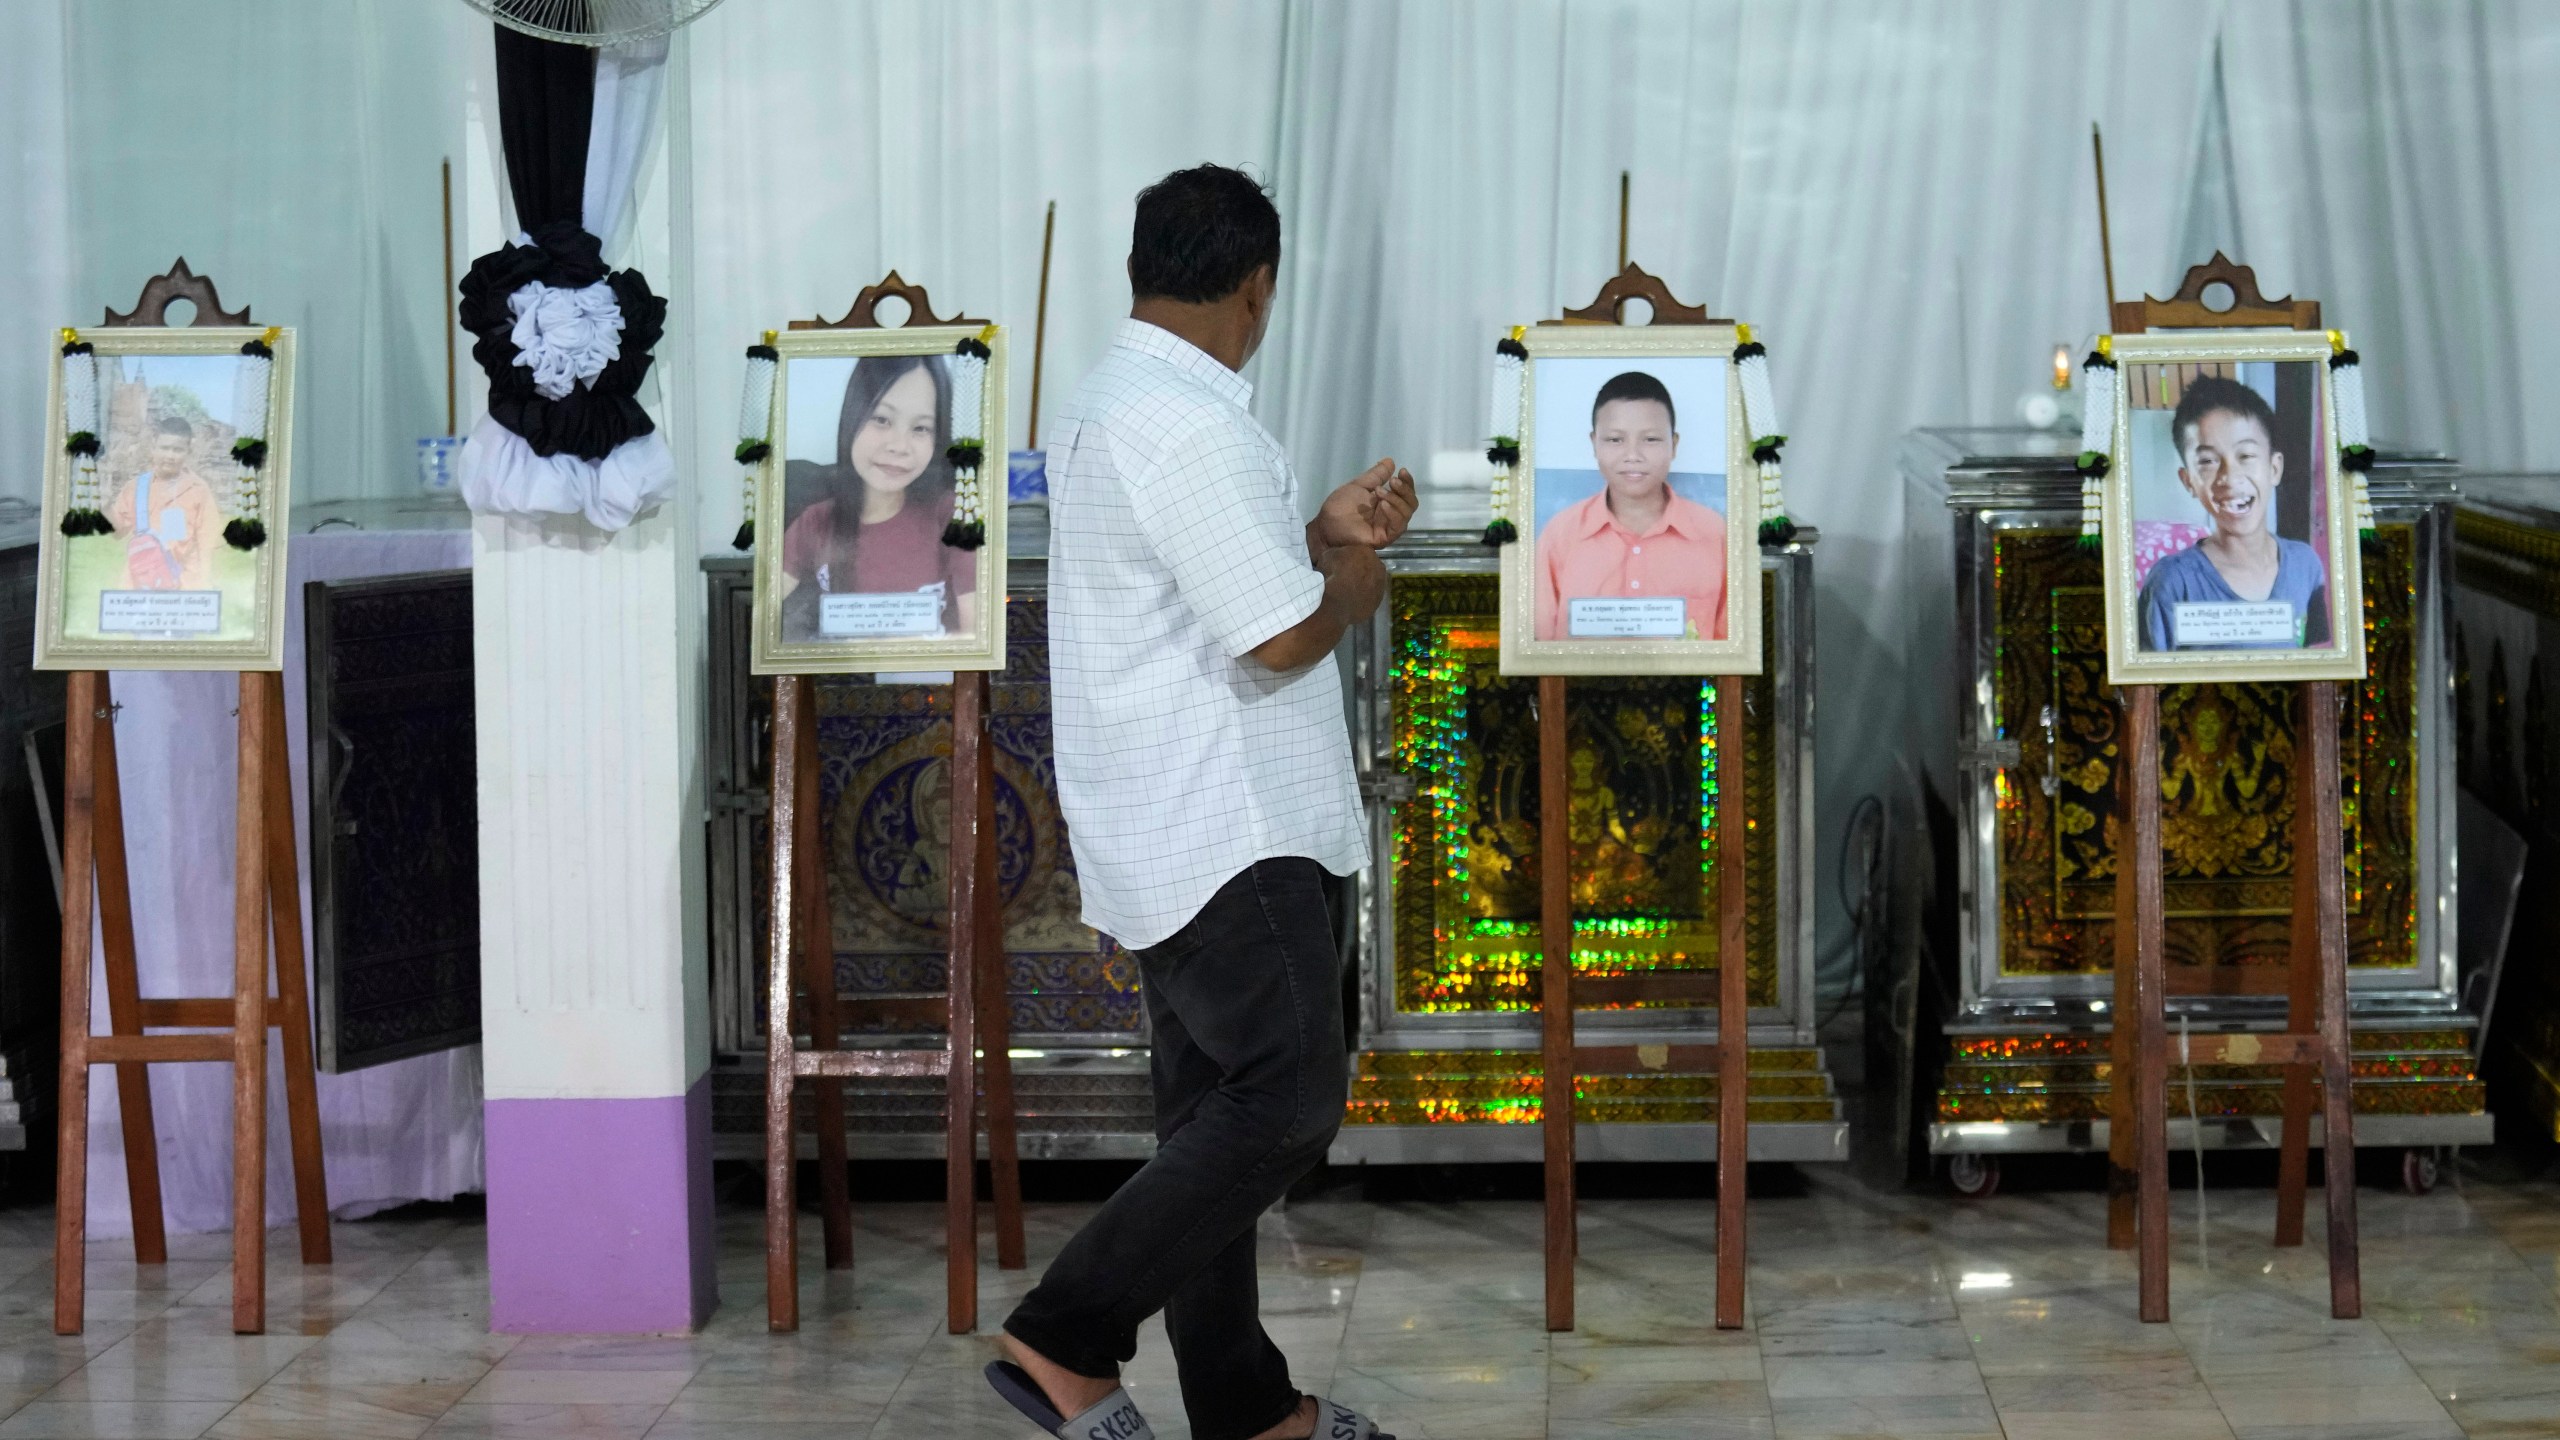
pixel 1355 582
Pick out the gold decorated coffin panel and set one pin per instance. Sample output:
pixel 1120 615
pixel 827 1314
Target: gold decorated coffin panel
pixel 2226 780
pixel 1642 815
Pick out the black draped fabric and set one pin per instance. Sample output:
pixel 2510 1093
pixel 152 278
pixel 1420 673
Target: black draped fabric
pixel 546 105
pixel 546 102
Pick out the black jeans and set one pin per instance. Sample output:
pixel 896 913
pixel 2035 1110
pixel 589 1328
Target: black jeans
pixel 1246 1002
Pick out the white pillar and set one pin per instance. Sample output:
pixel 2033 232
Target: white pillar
pixel 594 982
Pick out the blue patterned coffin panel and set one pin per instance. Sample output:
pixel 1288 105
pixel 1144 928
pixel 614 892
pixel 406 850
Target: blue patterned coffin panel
pixel 884 796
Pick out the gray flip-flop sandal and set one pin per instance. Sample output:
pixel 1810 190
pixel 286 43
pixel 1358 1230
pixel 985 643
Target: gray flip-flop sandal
pixel 1340 1422
pixel 1115 1418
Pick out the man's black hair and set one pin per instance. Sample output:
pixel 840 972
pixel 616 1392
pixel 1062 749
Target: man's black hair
pixel 2208 393
pixel 1636 385
pixel 1200 232
pixel 175 425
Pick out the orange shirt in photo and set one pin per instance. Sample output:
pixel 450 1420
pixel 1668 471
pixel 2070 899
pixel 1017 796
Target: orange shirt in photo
pixel 1585 554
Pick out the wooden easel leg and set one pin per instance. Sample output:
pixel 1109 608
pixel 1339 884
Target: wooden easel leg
pixel 2302 979
pixel 995 1020
pixel 1555 1005
pixel 88 696
pixel 124 990
pixel 2124 1030
pixel 2151 1082
pixel 249 1020
pixel 960 1136
pixel 293 993
pixel 1733 1013
pixel 781 1205
pixel 817 961
pixel 2337 1053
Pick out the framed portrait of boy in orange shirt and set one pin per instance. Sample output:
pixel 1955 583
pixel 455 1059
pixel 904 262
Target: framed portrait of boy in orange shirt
pixel 1635 503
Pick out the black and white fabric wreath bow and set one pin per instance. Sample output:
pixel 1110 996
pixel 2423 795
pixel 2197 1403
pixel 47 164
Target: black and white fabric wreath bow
pixel 565 342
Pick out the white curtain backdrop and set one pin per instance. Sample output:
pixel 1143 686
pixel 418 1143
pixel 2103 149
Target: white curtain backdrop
pixel 35 238
pixel 288 149
pixel 1897 195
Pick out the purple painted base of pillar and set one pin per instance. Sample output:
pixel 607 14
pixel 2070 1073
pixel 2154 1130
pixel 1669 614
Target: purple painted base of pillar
pixel 600 1215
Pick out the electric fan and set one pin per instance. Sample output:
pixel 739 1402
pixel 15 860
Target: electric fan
pixel 594 22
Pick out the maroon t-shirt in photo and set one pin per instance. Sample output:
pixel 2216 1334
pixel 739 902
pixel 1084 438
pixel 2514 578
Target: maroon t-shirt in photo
pixel 894 556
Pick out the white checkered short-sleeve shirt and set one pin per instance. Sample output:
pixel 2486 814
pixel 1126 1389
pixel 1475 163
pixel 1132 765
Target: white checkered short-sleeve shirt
pixel 1176 546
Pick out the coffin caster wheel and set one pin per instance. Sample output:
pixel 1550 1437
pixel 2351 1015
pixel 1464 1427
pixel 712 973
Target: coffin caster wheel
pixel 2418 1170
pixel 1975 1177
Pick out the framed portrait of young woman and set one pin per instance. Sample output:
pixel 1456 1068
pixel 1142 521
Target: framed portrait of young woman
pixel 879 539
pixel 1635 506
pixel 167 474
pixel 2229 524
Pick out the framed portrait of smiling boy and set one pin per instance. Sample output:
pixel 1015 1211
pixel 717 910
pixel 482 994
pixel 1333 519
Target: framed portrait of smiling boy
pixel 879 539
pixel 168 466
pixel 1635 506
pixel 2229 529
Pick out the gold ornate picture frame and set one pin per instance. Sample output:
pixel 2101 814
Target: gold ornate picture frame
pixel 809 616
pixel 1571 369
pixel 2174 507
pixel 159 587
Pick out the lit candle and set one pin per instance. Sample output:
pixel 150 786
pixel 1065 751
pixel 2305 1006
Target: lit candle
pixel 2061 367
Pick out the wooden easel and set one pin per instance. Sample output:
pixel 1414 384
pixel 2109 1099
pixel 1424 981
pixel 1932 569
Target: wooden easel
pixel 2316 975
pixel 267 900
pixel 803 957
pixel 1561 990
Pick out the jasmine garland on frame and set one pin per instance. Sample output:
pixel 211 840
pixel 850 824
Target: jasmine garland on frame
pixel 1768 438
pixel 755 432
pixel 967 529
pixel 1510 370
pixel 254 385
pixel 83 418
pixel 2097 435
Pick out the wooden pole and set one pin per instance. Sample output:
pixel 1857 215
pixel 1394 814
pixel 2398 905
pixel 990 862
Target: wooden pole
pixel 2150 980
pixel 2337 1071
pixel 293 994
pixel 1555 996
pixel 2106 240
pixel 2123 1170
pixel 1004 1154
pixel 88 701
pixel 249 1019
pixel 107 862
pixel 960 1154
pixel 2302 980
pixel 1625 194
pixel 817 956
pixel 781 1205
pixel 1040 323
pixel 1733 1004
pixel 452 397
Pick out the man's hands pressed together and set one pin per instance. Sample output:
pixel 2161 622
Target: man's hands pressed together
pixel 1354 523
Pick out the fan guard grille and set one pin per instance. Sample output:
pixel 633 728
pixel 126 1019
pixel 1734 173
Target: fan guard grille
pixel 594 22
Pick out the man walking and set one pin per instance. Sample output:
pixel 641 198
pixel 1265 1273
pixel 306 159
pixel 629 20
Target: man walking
pixel 1205 772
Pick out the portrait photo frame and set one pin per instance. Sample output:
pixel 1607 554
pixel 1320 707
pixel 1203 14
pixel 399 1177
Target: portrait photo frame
pixel 153 579
pixel 810 617
pixel 2168 522
pixel 1569 370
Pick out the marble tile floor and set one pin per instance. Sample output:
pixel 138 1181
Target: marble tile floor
pixel 1874 1312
